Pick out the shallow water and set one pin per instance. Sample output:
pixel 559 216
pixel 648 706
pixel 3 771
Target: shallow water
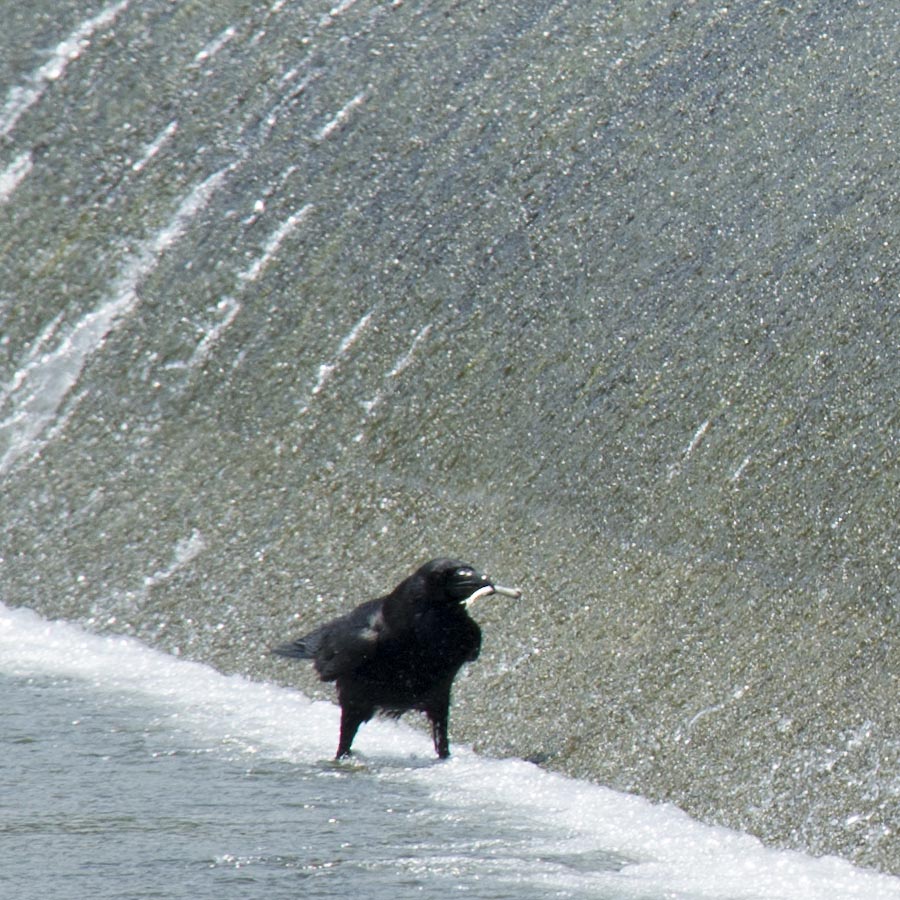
pixel 127 803
pixel 131 773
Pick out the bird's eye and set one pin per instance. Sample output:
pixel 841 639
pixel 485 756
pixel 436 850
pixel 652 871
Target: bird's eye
pixel 464 572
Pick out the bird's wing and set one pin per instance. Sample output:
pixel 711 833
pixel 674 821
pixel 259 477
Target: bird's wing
pixel 346 643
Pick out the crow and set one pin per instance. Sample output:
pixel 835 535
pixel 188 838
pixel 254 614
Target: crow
pixel 401 651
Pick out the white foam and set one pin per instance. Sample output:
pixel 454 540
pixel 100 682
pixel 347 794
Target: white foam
pixel 670 854
pixel 228 708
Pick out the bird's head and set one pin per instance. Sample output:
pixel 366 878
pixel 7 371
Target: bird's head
pixel 460 582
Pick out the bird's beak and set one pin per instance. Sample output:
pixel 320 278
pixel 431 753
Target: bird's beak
pixel 489 589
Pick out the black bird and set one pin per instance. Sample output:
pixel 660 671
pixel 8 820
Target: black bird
pixel 401 651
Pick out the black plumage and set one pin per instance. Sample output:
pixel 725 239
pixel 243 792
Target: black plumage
pixel 401 651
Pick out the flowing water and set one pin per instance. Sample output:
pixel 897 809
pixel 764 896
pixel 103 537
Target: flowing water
pixel 128 773
pixel 601 297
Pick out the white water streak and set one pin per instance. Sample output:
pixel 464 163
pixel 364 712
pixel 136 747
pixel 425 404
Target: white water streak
pixel 155 145
pixel 215 45
pixel 227 308
pixel 184 552
pixel 31 400
pixel 695 441
pixel 14 174
pixel 34 353
pixel 675 468
pixel 399 366
pixel 407 357
pixel 20 98
pixel 326 370
pixel 338 10
pixel 740 469
pixel 274 242
pixel 283 105
pixel 340 117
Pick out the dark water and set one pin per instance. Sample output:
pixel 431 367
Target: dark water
pixel 601 297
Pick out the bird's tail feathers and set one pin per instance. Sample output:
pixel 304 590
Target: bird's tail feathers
pixel 298 649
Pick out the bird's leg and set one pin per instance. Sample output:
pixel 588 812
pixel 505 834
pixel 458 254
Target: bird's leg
pixel 351 718
pixel 439 714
